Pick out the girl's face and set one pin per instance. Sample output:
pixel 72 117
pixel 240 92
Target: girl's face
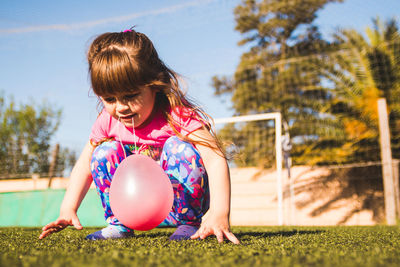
pixel 133 105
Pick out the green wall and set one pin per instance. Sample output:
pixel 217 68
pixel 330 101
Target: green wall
pixel 38 208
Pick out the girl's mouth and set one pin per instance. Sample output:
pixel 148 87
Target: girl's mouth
pixel 127 118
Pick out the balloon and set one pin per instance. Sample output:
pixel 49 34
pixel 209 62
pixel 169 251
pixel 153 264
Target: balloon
pixel 141 194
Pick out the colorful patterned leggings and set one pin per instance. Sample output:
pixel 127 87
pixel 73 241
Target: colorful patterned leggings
pixel 183 165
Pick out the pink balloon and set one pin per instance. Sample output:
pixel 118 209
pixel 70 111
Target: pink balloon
pixel 141 194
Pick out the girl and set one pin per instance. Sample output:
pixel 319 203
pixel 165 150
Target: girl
pixel 145 110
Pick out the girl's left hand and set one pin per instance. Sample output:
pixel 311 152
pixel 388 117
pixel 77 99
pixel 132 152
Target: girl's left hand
pixel 215 225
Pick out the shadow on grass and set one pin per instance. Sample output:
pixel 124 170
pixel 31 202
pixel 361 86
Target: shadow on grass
pixel 241 235
pixel 25 229
pixel 153 234
pixel 258 234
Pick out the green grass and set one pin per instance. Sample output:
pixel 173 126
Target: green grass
pixel 261 246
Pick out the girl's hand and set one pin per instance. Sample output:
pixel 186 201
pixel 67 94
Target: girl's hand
pixel 61 223
pixel 215 225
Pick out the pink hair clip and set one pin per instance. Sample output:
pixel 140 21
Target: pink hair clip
pixel 130 29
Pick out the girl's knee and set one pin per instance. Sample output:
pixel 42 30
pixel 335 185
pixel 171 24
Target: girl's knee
pixel 182 161
pixel 107 151
pixel 176 146
pixel 171 142
pixel 106 157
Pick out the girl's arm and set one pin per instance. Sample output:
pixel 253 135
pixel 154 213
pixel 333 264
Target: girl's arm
pixel 216 220
pixel 78 186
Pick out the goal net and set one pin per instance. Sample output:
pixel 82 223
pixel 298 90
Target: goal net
pixel 254 143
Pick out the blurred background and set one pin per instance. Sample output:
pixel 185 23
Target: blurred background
pixel 323 65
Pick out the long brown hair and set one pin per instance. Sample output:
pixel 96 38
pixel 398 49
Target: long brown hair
pixel 121 62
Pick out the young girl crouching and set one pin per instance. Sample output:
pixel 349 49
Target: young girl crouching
pixel 145 110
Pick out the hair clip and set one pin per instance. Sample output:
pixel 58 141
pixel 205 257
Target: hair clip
pixel 130 29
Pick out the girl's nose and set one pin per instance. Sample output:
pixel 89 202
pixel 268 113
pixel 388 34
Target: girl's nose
pixel 121 105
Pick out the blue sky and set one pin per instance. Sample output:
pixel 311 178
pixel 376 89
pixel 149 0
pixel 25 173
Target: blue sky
pixel 43 45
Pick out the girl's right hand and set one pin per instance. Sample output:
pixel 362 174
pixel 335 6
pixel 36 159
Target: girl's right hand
pixel 61 223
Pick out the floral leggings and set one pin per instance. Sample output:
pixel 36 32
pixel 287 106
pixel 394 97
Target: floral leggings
pixel 183 165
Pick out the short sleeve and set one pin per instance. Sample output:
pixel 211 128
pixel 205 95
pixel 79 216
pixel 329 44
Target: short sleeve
pixel 187 120
pixel 99 128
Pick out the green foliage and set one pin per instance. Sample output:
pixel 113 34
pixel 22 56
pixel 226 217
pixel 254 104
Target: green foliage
pixel 325 90
pixel 260 246
pixel 367 69
pixel 274 22
pixel 25 135
pixel 281 71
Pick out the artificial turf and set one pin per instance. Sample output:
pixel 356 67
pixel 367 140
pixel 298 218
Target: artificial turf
pixel 260 246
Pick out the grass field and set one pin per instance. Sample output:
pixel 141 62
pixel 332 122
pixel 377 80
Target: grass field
pixel 261 246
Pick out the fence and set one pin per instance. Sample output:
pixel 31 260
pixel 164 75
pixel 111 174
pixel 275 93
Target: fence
pixel 287 185
pixel 328 97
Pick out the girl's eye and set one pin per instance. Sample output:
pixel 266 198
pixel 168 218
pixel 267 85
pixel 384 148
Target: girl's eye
pixel 109 99
pixel 131 96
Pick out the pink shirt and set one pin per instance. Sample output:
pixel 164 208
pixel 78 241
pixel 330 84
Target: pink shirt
pixel 155 133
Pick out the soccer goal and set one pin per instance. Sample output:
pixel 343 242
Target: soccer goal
pixel 254 141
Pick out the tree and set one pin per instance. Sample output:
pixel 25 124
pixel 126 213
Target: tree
pixel 25 135
pixel 280 72
pixel 367 68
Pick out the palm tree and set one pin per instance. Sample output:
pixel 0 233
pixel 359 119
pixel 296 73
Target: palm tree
pixel 365 69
